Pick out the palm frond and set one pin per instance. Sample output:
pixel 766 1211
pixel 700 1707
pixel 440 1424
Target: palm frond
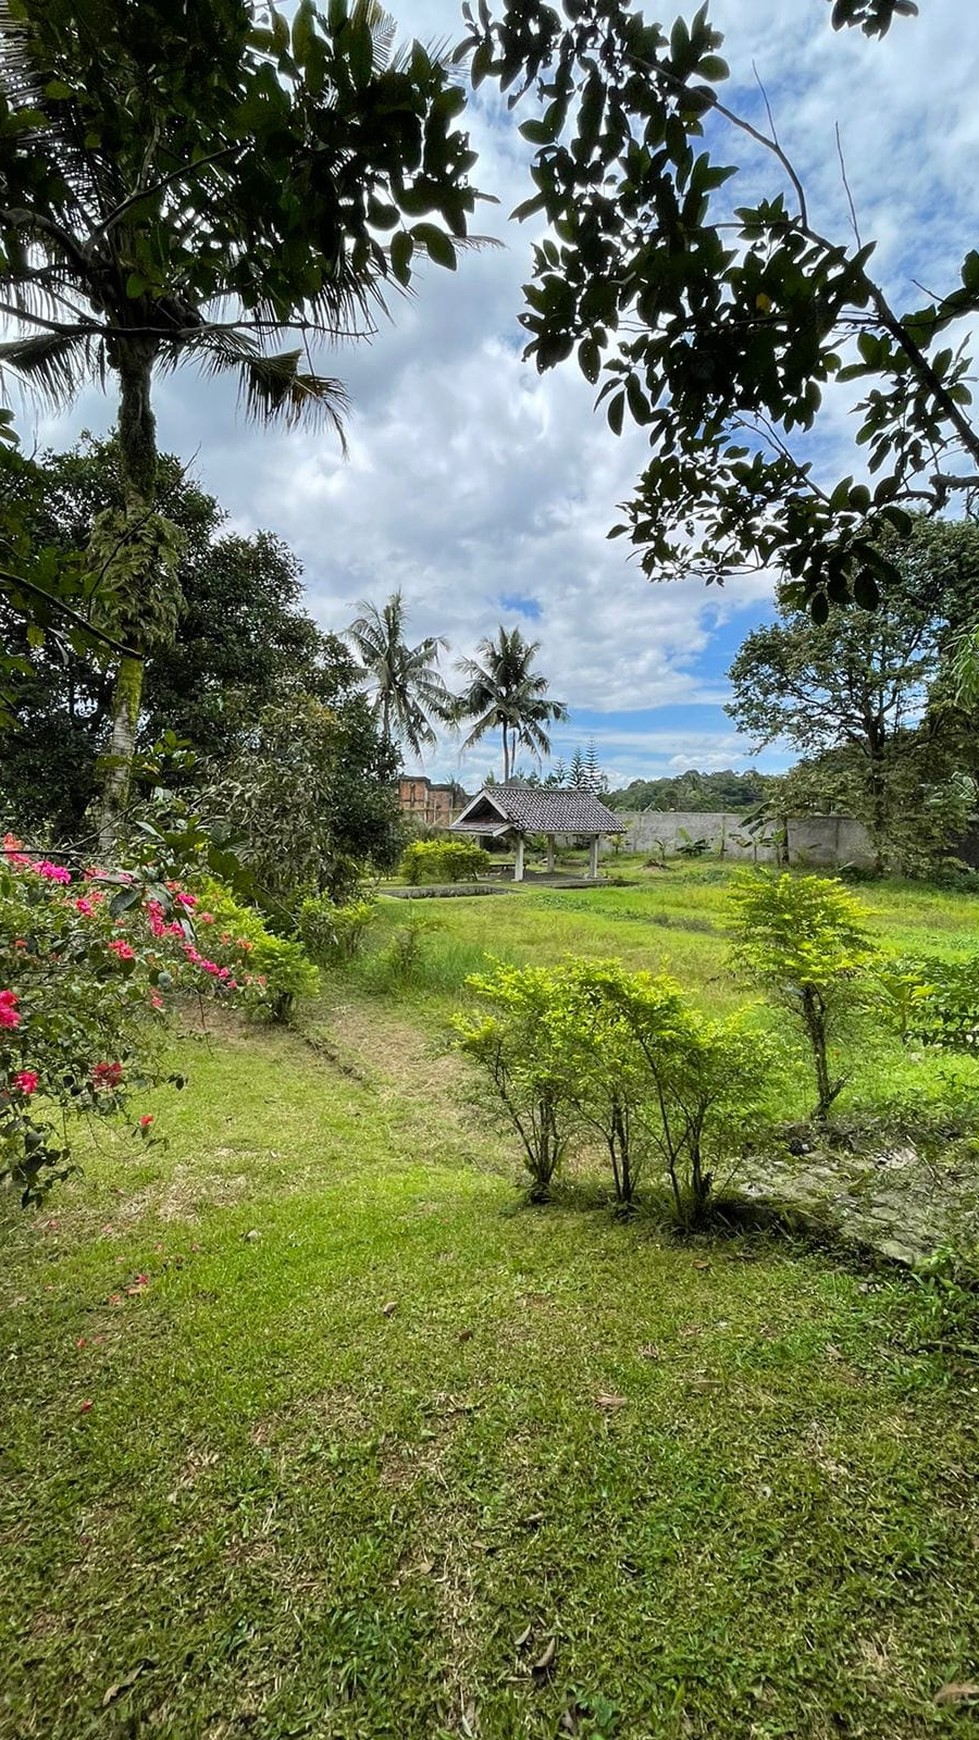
pixel 54 364
pixel 272 388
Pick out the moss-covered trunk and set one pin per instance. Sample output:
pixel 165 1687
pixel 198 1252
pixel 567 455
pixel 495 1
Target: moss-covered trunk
pixel 133 362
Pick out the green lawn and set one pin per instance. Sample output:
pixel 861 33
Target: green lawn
pixel 320 1481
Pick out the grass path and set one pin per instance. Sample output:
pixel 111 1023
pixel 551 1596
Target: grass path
pixel 320 1481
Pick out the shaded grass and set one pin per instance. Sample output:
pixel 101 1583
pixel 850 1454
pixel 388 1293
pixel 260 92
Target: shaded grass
pixel 330 1474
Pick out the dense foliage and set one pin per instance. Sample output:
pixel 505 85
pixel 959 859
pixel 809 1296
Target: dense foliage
pixel 692 791
pixel 89 960
pixel 443 861
pixel 717 323
pixel 870 698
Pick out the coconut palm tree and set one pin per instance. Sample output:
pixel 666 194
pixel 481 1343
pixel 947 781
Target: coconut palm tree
pixel 505 694
pixel 405 681
pixel 178 184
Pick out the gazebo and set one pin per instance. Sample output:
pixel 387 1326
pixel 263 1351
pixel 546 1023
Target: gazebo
pixel 514 811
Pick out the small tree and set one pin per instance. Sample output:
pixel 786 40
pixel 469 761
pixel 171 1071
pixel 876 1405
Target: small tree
pixel 804 939
pixel 528 1068
pixel 608 1080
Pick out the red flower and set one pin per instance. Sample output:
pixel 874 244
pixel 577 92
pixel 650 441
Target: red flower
pixel 146 1120
pixel 52 872
pixel 122 950
pixel 8 1009
pixel 27 1080
pixel 107 1075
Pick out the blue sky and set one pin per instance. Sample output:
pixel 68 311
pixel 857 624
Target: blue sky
pixel 485 492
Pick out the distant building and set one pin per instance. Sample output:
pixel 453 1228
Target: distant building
pixel 435 805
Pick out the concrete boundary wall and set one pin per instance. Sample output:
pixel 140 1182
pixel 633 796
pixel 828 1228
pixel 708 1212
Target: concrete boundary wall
pixel 823 841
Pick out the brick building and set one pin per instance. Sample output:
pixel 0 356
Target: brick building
pixel 435 805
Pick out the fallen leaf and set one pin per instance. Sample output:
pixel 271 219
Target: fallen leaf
pixel 832 1352
pixel 426 1567
pixel 610 1401
pixel 465 1334
pixel 701 1265
pixel 540 1669
pixel 522 1641
pixel 144 1666
pixel 390 1308
pixel 650 1351
pixel 957 1694
pixel 533 1521
pixel 252 1238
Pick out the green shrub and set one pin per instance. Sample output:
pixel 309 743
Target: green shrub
pixel 331 934
pixel 443 861
pixel 590 1047
pixel 528 1068
pixel 280 964
pixel 935 1001
pixel 804 939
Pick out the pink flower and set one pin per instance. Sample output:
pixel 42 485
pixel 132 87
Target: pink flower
pixel 122 950
pixel 9 1016
pixel 52 872
pixel 27 1080
pixel 16 858
pixel 188 900
pixel 243 943
pixel 19 943
pixel 156 1001
pixel 205 918
pixel 85 907
pixel 107 1075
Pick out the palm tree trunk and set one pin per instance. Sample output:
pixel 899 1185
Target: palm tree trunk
pixel 506 755
pixel 137 464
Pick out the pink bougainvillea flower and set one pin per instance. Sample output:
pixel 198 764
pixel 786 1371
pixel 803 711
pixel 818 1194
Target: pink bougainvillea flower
pixel 27 1080
pixel 146 1120
pixel 205 918
pixel 122 950
pixel 188 900
pixel 52 872
pixel 107 1075
pixel 9 1016
pixel 85 907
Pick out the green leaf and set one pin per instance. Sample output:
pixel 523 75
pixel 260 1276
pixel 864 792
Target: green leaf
pixel 359 45
pixel 616 413
pixel 819 609
pixel 437 245
pixel 402 248
pixel 865 590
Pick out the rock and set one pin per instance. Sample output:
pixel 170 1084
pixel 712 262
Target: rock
pixel 252 1238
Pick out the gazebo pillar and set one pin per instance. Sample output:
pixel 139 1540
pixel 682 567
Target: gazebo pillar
pixel 550 852
pixel 593 857
pixel 518 860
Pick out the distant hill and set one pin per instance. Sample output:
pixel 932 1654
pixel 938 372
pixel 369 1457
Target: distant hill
pixel 699 792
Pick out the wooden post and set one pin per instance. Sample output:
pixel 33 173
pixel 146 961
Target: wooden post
pixel 593 857
pixel 550 852
pixel 518 860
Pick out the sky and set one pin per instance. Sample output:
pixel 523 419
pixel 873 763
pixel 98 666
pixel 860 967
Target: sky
pixel 485 492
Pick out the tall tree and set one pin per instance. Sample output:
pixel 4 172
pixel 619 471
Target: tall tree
pixel 241 636
pixel 867 694
pixel 407 688
pixel 182 184
pixel 716 324
pixel 504 693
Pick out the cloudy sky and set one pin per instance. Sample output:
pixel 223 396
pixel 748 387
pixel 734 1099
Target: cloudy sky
pixel 485 492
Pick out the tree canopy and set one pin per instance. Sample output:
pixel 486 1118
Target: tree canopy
pixel 199 185
pixel 505 693
pixel 718 327
pixel 241 637
pixel 867 697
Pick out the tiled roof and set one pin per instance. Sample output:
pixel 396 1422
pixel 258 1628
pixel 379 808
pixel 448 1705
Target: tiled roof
pixel 540 811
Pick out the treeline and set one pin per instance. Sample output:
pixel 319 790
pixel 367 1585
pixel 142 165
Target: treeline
pixel 692 791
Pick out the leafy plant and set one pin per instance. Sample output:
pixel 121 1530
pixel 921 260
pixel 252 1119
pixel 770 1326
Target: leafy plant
pixel 804 939
pixel 331 933
pixel 88 959
pixel 521 1051
pixel 443 861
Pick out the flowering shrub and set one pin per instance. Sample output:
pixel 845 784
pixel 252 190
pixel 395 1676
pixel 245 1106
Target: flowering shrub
pixel 88 960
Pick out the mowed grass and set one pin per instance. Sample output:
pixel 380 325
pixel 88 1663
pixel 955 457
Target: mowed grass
pixel 310 1429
